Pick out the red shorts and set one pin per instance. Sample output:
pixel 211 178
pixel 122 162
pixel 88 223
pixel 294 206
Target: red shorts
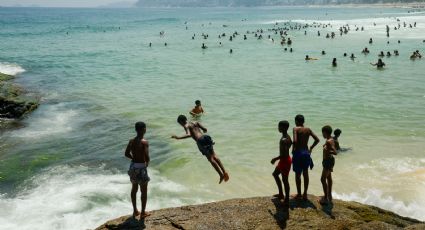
pixel 284 165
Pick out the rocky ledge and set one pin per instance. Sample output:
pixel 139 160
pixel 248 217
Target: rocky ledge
pixel 13 101
pixel 269 213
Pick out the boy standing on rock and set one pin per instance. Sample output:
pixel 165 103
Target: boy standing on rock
pixel 284 165
pixel 328 164
pixel 138 151
pixel 301 159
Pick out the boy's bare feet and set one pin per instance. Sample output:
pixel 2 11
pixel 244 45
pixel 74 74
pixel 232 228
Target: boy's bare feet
pixel 136 213
pixel 221 179
pixel 226 177
pixel 145 214
pixel 297 197
pixel 305 196
pixel 323 201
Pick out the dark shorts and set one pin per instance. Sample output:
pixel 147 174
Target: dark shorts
pixel 205 145
pixel 329 163
pixel 301 161
pixel 138 175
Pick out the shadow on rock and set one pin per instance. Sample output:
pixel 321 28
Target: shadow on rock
pixel 282 213
pixel 130 223
pixel 301 203
pixel 328 209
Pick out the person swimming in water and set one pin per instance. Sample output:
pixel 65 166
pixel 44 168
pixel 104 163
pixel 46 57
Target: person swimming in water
pixel 337 134
pixel 204 46
pixel 307 58
pixel 380 64
pixel 197 110
pixel 334 62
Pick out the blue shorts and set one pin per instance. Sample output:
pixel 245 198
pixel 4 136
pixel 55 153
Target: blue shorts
pixel 301 161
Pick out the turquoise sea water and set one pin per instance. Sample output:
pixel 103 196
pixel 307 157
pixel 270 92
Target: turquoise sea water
pixel 96 76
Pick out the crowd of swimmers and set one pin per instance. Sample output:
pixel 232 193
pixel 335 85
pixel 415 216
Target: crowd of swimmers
pixel 138 152
pixel 283 31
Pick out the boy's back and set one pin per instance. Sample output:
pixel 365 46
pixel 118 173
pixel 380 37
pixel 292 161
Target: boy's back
pixel 138 148
pixel 301 137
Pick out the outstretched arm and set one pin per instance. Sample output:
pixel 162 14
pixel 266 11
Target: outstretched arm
pixel 128 150
pixel 184 136
pixel 316 140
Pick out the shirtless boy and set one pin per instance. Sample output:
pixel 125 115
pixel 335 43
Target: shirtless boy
pixel 284 165
pixel 138 151
pixel 328 164
pixel 204 142
pixel 197 110
pixel 301 159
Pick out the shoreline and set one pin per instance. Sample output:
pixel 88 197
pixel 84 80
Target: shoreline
pixel 268 213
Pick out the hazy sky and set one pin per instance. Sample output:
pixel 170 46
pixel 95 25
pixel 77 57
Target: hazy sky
pixel 62 3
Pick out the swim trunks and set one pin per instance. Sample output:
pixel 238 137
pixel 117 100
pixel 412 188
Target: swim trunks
pixel 329 163
pixel 284 165
pixel 205 145
pixel 138 173
pixel 301 160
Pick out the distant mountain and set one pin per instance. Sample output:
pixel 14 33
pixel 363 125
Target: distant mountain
pixel 123 4
pixel 249 3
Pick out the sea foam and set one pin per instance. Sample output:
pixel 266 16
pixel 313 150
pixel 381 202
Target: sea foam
pixel 78 197
pixel 10 68
pixel 377 198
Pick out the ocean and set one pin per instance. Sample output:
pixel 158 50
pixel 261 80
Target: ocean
pixel 96 75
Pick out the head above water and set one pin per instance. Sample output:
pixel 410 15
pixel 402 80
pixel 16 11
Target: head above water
pixel 299 120
pixel 337 132
pixel 198 102
pixel 182 119
pixel 326 131
pixel 283 126
pixel 140 127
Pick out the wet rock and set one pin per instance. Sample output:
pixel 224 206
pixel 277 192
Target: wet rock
pixel 13 102
pixel 268 213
